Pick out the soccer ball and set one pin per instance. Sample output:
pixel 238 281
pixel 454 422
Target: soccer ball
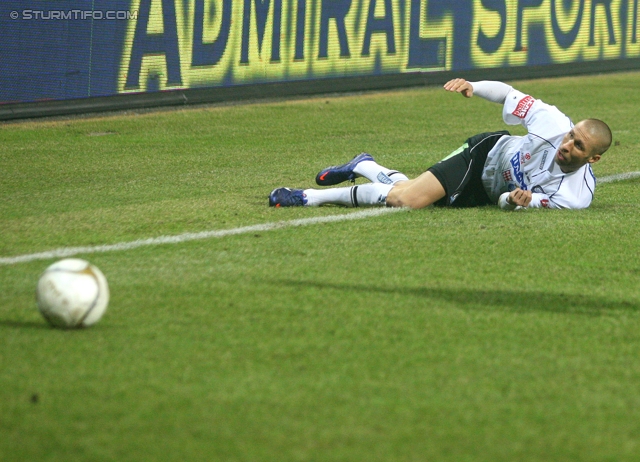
pixel 72 293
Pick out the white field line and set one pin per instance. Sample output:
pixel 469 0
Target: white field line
pixel 65 252
pixel 618 177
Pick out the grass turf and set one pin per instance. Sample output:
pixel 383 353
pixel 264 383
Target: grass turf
pixel 425 335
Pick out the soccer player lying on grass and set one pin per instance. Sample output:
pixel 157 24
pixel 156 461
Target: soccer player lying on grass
pixel 549 167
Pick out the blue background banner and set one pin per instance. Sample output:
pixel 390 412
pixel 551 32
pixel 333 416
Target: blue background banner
pixel 64 49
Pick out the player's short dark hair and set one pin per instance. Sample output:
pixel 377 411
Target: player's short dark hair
pixel 603 134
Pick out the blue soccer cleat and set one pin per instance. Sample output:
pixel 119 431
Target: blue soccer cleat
pixel 285 197
pixel 339 173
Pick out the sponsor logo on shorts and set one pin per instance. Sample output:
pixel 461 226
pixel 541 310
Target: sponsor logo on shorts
pixel 545 203
pixel 523 107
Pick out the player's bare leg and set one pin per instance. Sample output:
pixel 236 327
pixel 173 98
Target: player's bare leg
pixel 417 193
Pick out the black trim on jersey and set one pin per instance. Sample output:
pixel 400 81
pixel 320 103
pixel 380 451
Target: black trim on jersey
pixel 588 169
pixel 539 173
pixel 584 178
pixel 549 142
pixel 545 140
pixel 556 192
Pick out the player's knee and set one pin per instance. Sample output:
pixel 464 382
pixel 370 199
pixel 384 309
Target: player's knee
pixel 399 197
pixel 417 193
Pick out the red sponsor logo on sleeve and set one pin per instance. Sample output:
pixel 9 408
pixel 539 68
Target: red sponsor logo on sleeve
pixel 545 203
pixel 523 107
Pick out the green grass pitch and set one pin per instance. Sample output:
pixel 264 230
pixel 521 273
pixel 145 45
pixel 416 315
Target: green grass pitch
pixel 431 335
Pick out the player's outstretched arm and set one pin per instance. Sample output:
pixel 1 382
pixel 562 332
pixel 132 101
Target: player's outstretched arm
pixel 490 90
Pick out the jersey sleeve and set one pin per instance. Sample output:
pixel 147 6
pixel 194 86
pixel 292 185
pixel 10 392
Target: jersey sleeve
pixel 542 201
pixel 539 200
pixel 491 90
pixel 535 115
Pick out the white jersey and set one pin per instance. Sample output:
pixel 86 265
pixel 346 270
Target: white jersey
pixel 528 162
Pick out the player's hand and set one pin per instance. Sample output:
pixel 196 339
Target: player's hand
pixel 459 86
pixel 519 197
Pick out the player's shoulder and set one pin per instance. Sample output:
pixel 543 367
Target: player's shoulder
pixel 578 188
pixel 520 103
pixel 534 113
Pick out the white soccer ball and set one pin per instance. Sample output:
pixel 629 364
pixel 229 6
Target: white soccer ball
pixel 72 293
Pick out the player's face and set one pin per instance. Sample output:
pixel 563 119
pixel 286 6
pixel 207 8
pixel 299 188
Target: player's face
pixel 576 149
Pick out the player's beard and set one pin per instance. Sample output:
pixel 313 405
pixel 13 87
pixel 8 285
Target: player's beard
pixel 565 162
